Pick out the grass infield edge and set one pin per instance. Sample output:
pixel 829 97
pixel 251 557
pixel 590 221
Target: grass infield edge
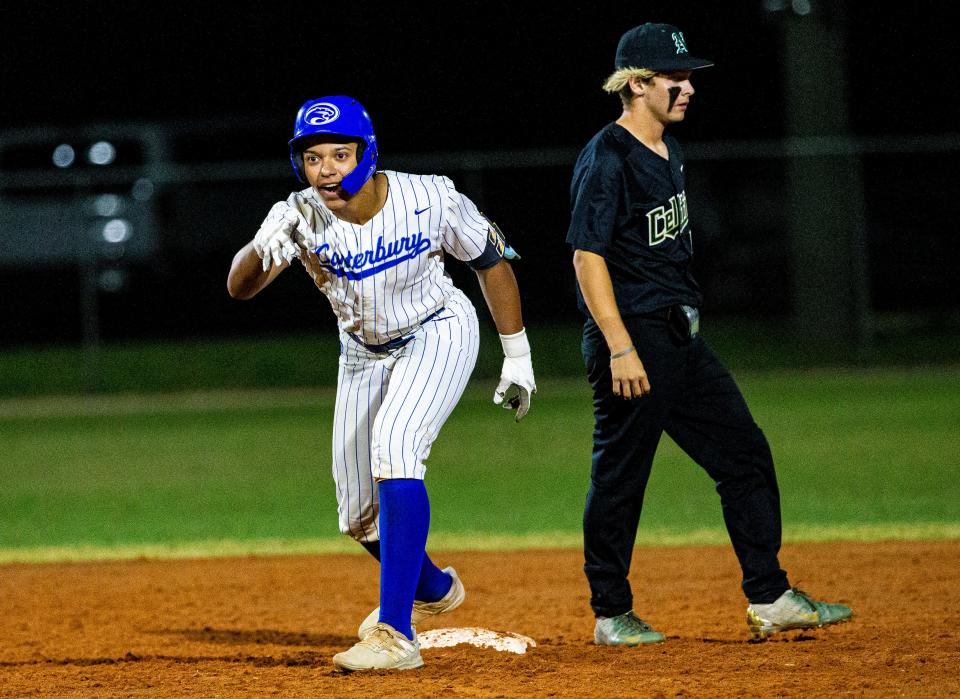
pixel 909 531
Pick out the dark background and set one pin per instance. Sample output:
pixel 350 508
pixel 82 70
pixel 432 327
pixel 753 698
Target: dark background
pixel 450 75
pixel 226 80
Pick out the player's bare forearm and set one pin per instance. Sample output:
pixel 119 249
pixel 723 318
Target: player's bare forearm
pixel 247 278
pixel 628 376
pixel 502 295
pixel 597 289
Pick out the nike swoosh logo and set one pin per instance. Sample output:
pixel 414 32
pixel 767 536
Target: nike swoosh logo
pixel 417 212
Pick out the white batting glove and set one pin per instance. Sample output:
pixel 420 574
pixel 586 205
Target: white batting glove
pixel 277 240
pixel 517 373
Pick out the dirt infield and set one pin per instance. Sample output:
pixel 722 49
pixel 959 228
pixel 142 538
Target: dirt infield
pixel 269 626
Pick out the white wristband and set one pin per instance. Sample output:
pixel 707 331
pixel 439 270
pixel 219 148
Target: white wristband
pixel 515 345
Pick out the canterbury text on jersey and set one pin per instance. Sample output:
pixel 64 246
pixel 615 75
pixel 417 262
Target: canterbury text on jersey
pixel 388 274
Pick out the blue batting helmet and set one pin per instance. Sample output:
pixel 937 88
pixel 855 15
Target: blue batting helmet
pixel 341 116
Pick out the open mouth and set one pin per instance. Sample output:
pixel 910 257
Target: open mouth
pixel 330 192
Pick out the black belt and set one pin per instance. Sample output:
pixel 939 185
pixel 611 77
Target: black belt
pixel 394 344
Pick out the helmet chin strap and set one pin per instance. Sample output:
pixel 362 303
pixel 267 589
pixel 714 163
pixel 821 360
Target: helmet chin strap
pixel 355 179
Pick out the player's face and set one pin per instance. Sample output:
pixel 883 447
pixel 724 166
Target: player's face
pixel 325 165
pixel 668 95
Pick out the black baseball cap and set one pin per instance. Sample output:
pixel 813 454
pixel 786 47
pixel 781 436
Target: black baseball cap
pixel 659 47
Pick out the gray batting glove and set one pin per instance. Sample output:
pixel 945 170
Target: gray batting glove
pixel 516 377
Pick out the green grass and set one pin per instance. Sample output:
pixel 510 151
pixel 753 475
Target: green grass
pixel 860 453
pixel 309 359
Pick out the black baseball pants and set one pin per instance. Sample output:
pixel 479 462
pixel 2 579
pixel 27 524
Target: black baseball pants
pixel 695 400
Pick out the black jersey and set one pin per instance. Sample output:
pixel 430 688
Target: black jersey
pixel 629 205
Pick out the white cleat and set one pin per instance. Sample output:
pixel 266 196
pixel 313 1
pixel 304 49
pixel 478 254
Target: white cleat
pixel 423 610
pixel 383 648
pixel 794 609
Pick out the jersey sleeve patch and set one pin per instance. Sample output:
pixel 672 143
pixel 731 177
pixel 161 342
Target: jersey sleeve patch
pixel 493 251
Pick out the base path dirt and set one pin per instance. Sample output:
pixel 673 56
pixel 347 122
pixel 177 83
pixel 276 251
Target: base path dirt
pixel 263 626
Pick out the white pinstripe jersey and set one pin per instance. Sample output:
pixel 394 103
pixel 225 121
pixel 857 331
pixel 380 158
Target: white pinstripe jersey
pixel 389 271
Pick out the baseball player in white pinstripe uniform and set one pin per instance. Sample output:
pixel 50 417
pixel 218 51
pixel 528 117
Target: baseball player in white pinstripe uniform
pixel 374 243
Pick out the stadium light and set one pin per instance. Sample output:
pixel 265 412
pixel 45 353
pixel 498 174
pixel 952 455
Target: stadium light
pixel 117 230
pixel 107 205
pixel 64 155
pixel 142 189
pixel 101 153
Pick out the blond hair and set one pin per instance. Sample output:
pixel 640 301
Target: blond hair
pixel 619 82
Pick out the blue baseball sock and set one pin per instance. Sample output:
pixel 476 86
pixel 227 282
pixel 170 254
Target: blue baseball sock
pixel 433 583
pixel 404 522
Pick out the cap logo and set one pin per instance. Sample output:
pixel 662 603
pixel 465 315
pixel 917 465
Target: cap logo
pixel 679 42
pixel 321 113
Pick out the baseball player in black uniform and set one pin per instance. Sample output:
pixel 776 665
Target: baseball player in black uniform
pixel 650 369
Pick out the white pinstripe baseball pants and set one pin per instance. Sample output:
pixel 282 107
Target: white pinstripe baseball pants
pixel 391 406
